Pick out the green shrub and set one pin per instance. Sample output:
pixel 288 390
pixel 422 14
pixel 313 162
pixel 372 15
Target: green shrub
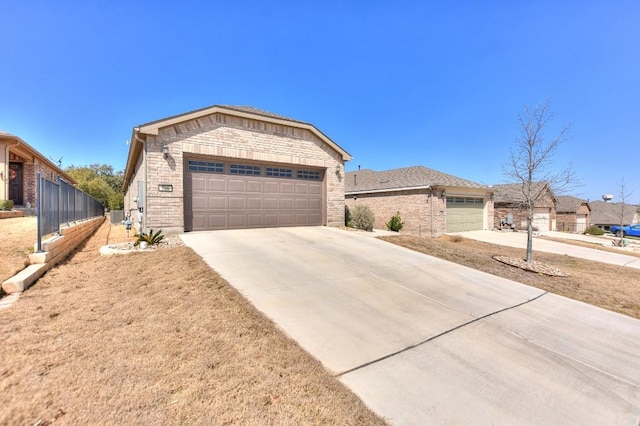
pixel 6 205
pixel 395 223
pixel 363 217
pixel 347 217
pixel 594 230
pixel 150 238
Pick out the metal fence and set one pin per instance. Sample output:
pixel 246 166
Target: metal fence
pixel 59 203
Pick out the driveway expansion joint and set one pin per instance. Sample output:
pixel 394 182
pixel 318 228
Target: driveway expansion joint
pixel 422 342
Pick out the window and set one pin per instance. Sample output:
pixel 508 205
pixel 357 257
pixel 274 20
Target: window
pixel 205 166
pixel 277 172
pixel 243 169
pixel 308 174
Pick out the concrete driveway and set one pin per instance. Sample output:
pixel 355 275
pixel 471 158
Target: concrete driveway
pixel 519 240
pixel 425 341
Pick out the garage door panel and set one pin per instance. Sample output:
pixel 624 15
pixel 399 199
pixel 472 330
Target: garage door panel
pixel 254 186
pixel 255 220
pixel 301 204
pixel 216 203
pixel 286 188
pixel 236 203
pixel 236 185
pixel 271 188
pixel 287 219
pixel 286 203
pixel 315 203
pixel 219 200
pixel 215 184
pixel 254 203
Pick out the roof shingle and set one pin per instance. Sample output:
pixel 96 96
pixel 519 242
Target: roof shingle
pixel 402 179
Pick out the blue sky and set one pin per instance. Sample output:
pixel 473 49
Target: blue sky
pixel 396 84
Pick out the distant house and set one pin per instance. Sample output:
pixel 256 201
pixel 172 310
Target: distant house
pixel 19 165
pixel 604 215
pixel 572 214
pixel 508 200
pixel 430 202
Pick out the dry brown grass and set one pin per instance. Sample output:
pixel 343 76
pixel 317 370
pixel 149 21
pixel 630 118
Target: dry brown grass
pixel 616 288
pixel 17 237
pixel 155 338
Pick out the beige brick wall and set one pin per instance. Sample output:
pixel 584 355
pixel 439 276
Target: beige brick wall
pixel 421 213
pixel 227 137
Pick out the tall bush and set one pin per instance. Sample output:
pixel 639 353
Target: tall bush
pixel 395 223
pixel 347 216
pixel 363 217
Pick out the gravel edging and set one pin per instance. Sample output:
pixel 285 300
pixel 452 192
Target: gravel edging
pixel 537 267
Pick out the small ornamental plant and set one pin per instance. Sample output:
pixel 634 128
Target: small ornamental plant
pixel 363 217
pixel 150 238
pixel 6 205
pixel 395 223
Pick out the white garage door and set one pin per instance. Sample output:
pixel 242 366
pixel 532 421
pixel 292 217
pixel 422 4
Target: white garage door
pixel 541 218
pixel 464 214
pixel 581 223
pixel 235 195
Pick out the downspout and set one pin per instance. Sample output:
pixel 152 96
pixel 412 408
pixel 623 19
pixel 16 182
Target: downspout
pixel 431 194
pixel 144 162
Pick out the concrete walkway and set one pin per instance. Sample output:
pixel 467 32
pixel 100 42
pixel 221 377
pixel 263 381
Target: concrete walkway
pixel 519 240
pixel 425 341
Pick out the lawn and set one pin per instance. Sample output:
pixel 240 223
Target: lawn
pixel 616 288
pixel 155 338
pixel 17 237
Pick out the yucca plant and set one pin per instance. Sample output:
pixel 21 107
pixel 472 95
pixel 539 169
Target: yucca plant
pixel 150 237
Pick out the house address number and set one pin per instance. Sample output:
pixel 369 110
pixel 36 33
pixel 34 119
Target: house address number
pixel 165 188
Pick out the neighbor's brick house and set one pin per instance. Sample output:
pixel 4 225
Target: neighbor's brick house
pixel 572 214
pixel 509 201
pixel 430 202
pixel 229 167
pixel 19 165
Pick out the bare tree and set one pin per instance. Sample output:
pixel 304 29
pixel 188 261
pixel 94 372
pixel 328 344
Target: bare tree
pixel 531 162
pixel 624 195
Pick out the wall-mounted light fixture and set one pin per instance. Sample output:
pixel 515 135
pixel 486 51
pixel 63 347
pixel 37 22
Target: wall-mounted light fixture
pixel 444 193
pixel 165 151
pixel 338 168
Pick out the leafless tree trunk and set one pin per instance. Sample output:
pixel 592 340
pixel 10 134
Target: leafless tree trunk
pixel 531 159
pixel 624 195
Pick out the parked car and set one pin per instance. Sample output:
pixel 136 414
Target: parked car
pixel 631 230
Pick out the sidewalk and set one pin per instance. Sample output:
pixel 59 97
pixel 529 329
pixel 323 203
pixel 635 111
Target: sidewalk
pixel 519 240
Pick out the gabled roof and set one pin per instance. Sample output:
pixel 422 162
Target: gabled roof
pixel 609 213
pixel 512 192
pixel 569 204
pixel 23 149
pixel 414 177
pixel 153 127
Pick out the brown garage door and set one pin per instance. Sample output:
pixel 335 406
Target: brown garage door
pixel 235 195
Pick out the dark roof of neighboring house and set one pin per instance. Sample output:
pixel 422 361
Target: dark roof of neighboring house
pixel 569 204
pixel 512 192
pixel 609 213
pixel 402 179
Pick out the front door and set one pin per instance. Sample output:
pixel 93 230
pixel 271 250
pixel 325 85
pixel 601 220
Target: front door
pixel 15 183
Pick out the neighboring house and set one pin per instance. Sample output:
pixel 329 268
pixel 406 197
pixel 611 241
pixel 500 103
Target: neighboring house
pixel 572 214
pixel 19 165
pixel 606 214
pixel 430 202
pixel 230 167
pixel 508 200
